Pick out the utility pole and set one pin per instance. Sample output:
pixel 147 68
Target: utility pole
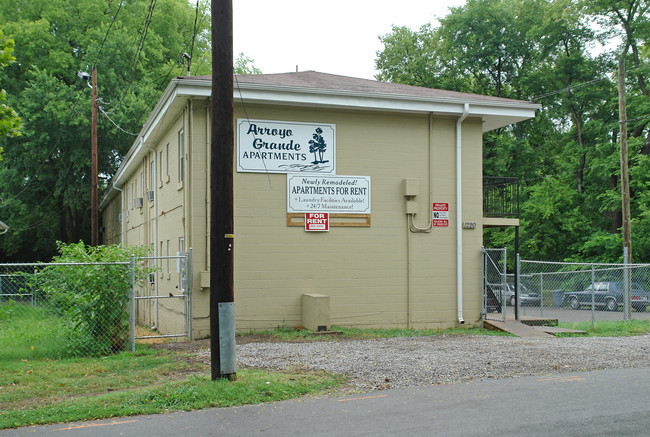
pixel 94 234
pixel 222 306
pixel 625 177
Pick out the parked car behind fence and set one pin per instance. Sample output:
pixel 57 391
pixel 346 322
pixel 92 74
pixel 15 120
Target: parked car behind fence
pixel 608 295
pixel 507 292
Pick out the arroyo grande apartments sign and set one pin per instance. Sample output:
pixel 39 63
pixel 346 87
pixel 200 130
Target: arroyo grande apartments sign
pixel 268 146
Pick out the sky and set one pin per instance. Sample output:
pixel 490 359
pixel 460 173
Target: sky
pixel 329 36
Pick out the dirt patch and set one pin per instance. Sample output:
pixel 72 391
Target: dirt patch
pixel 141 331
pixel 204 343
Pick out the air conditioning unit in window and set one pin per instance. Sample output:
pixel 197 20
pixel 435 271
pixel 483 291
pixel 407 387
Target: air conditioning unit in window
pixel 150 196
pixel 138 202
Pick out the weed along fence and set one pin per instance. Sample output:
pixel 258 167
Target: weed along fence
pixel 567 292
pixel 60 310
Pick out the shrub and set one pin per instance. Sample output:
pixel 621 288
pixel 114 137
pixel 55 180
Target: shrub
pixel 92 294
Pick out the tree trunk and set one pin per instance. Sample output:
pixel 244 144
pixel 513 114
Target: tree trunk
pixel 577 118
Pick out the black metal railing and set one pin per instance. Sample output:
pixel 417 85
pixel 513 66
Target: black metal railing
pixel 500 197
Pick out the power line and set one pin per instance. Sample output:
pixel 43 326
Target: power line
pixel 164 81
pixel 196 19
pixel 564 90
pixel 115 124
pixel 101 47
pixel 580 85
pixel 136 58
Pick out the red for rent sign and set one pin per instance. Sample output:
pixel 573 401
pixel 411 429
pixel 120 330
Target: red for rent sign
pixel 317 221
pixel 440 214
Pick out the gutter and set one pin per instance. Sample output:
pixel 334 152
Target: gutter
pixel 459 214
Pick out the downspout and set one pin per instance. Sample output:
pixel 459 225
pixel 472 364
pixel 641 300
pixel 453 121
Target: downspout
pixel 155 231
pixel 459 215
pixel 208 136
pixel 190 228
pixel 189 152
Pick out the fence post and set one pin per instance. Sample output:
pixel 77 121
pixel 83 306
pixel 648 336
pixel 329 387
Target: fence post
pixel 541 294
pixel 132 305
pixel 593 302
pixel 504 285
pixel 517 278
pixel 483 286
pixel 626 284
pixel 190 286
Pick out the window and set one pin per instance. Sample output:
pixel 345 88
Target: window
pixel 167 161
pixel 181 152
pixel 180 265
pixel 152 172
pixel 169 253
pixel 160 165
pixel 142 184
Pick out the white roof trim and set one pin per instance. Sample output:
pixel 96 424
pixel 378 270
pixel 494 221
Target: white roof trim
pixel 495 113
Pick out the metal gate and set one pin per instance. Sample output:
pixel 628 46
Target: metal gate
pixel 495 285
pixel 164 303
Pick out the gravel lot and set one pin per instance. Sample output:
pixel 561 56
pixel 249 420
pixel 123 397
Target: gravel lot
pixel 418 361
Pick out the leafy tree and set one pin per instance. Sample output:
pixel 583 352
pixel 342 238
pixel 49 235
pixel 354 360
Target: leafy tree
pixel 9 120
pixel 136 47
pixel 245 65
pixel 567 157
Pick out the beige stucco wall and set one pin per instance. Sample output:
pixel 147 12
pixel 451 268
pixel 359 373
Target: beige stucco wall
pixel 367 272
pixel 382 275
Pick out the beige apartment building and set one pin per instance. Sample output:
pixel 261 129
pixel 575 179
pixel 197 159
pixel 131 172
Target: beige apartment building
pixel 363 197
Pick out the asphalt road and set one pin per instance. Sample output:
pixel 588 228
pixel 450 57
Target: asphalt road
pixel 605 402
pixel 564 314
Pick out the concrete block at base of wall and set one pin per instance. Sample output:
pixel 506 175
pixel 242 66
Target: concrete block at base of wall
pixel 316 312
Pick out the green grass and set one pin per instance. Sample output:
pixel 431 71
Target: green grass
pixel 397 332
pixel 35 389
pixel 284 333
pixel 608 329
pixel 28 332
pixel 146 382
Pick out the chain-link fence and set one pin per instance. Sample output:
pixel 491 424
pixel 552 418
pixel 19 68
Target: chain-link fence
pixel 495 285
pixel 164 303
pixel 581 292
pixel 62 310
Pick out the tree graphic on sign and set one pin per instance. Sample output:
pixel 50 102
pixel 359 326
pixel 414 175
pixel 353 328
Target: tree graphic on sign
pixel 317 146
